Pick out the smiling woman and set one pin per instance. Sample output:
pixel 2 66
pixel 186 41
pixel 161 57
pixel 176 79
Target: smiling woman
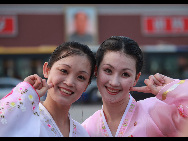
pixel 68 77
pixel 116 77
pixel 69 49
pixel 119 61
pixel 66 81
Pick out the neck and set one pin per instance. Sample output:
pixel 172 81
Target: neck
pixel 115 111
pixel 58 112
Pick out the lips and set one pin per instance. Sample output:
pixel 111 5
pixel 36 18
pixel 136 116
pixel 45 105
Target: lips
pixel 65 91
pixel 112 91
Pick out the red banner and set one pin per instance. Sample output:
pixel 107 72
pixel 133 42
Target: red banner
pixel 7 25
pixel 165 25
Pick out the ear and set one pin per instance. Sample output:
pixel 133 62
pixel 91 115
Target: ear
pixel 95 71
pixel 46 70
pixel 137 78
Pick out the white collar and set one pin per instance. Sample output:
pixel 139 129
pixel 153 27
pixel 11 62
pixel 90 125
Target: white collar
pixel 107 129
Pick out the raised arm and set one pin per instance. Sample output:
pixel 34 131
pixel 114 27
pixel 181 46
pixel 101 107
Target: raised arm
pixel 19 110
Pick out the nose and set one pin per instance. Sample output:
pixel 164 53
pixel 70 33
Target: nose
pixel 114 80
pixel 69 81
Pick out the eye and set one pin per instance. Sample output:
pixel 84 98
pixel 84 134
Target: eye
pixel 82 78
pixel 108 71
pixel 125 74
pixel 64 71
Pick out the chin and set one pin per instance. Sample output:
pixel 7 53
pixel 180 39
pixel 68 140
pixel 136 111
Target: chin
pixel 110 100
pixel 114 99
pixel 59 100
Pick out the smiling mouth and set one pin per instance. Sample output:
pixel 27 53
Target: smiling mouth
pixel 112 91
pixel 65 91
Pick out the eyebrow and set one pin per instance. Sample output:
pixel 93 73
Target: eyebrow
pixel 84 72
pixel 65 65
pixel 108 65
pixel 122 69
pixel 70 67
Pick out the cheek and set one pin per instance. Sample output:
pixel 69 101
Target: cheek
pixel 81 87
pixel 127 84
pixel 55 79
pixel 102 78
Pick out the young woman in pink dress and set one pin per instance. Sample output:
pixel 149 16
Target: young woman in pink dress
pixel 119 63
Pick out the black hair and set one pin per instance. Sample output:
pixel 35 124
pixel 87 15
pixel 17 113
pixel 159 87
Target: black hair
pixel 123 44
pixel 73 48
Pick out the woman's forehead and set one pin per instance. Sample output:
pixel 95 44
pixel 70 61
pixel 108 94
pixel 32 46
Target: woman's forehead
pixel 119 59
pixel 75 61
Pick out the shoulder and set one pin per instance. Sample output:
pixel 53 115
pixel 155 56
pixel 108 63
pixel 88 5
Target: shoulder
pixel 92 118
pixel 80 131
pixel 148 103
pixel 91 124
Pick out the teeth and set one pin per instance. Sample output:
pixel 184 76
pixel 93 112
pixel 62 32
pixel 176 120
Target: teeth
pixel 113 91
pixel 65 91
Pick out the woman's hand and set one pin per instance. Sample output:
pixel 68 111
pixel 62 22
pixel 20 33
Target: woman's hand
pixel 154 84
pixel 38 83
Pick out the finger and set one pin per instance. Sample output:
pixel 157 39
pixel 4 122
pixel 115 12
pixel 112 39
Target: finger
pixel 167 80
pixel 40 86
pixel 150 84
pixel 47 86
pixel 38 81
pixel 44 88
pixel 38 78
pixel 44 84
pixel 143 89
pixel 156 81
pixel 50 85
pixel 159 77
pixel 146 81
pixel 30 79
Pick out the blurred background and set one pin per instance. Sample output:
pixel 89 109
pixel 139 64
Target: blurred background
pixel 30 32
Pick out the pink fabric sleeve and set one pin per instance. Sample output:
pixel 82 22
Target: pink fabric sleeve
pixel 92 124
pixel 19 112
pixel 172 116
pixel 176 93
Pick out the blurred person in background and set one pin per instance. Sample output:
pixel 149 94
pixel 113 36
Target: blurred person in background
pixel 80 34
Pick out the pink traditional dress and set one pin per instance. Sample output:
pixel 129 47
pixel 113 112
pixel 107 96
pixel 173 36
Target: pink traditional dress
pixel 158 116
pixel 22 115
